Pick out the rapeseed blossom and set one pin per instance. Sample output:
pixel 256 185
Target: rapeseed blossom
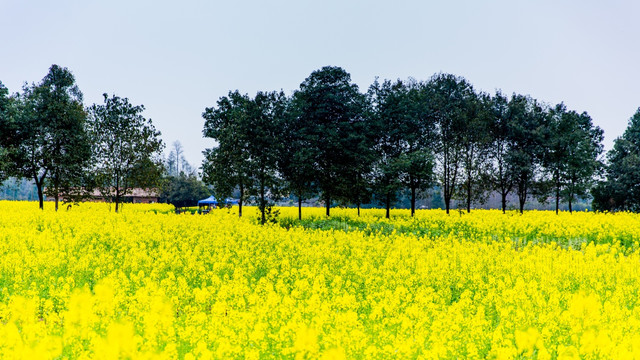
pixel 146 283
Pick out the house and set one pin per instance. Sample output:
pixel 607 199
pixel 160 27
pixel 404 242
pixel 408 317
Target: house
pixel 135 195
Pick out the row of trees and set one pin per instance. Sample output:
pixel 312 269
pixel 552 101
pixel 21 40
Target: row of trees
pixel 47 135
pixel 332 141
pixel 328 140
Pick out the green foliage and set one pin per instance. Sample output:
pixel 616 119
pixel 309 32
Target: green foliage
pixel 227 165
pixel 44 135
pixel 572 151
pixel 333 128
pixel 621 189
pixel 249 135
pixel 5 117
pixel 451 101
pixel 527 121
pixel 403 158
pixel 183 190
pixel 126 148
pixel 475 155
pixel 264 147
pixel 501 174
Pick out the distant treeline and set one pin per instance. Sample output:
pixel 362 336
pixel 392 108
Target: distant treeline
pixel 332 141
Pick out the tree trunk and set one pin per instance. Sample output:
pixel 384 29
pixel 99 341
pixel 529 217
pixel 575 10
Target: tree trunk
pixel 56 189
pixel 328 204
pixel 117 199
pixel 522 195
pixel 263 201
pixel 570 207
pixel 117 196
pixel 299 208
pixel 447 202
pixel 358 209
pixel 388 205
pixel 240 200
pixel 413 199
pixel 469 195
pixel 40 194
pixel 557 198
pixel 504 201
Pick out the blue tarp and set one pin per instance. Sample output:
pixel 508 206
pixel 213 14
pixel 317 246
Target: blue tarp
pixel 208 201
pixel 231 201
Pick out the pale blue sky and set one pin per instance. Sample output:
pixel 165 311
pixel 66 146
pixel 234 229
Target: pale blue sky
pixel 179 57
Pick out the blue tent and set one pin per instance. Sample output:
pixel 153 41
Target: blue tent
pixel 208 201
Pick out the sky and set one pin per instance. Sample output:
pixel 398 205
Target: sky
pixel 179 57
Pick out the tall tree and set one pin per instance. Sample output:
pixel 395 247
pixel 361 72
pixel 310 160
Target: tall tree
pixel 621 189
pixel 59 103
pixel 126 148
pixel 501 173
pixel 403 160
pixel 418 160
pixel 264 133
pixel 46 137
pixel 331 109
pixel 450 98
pixel 6 117
pixel 387 114
pixel 557 154
pixel 26 138
pixel 226 166
pixel 572 151
pixel 296 157
pixel 176 163
pixel 177 156
pixel 583 158
pixel 476 141
pixel 527 123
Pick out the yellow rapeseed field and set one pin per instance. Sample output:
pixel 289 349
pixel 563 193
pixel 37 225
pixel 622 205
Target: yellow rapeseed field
pixel 146 283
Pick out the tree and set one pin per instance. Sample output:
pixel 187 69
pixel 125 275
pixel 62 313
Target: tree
pixel 331 111
pixel 226 166
pixel 449 100
pixel 46 137
pixel 249 136
pixel 402 160
pixel 24 139
pixel 573 147
pixel 387 116
pixel 500 148
pixel 6 114
pixel 183 190
pixel 526 126
pixel 621 189
pixel 59 102
pixel 557 154
pixel 176 163
pixel 126 148
pixel 418 159
pixel 266 116
pixel 476 141
pixel 584 158
pixel 295 164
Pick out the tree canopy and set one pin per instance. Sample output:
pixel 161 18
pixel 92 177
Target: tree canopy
pixel 126 148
